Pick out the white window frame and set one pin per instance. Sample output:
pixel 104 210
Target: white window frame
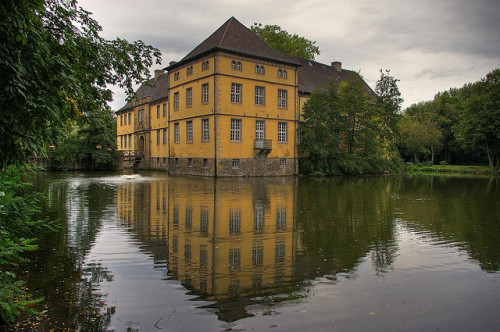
pixel 204 93
pixel 189 131
pixel 177 134
pixel 236 93
pixel 189 97
pixel 176 101
pixel 260 129
pixel 260 95
pixel 235 130
pixel 205 130
pixel 282 132
pixel 282 98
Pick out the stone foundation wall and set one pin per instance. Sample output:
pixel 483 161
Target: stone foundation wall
pixel 194 167
pixel 258 166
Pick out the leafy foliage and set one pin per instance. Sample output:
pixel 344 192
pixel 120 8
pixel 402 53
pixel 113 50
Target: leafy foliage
pixel 284 42
pixel 19 222
pixel 479 124
pixel 468 122
pixel 341 132
pixel 91 144
pixel 54 67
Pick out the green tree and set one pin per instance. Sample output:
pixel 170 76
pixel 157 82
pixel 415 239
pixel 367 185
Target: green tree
pixel 420 136
pixel 284 42
pixel 340 134
pixel 479 126
pixel 54 67
pixel 91 143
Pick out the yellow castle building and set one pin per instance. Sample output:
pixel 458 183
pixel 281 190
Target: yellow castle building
pixel 231 107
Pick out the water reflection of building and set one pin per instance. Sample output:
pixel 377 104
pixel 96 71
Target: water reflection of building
pixel 221 237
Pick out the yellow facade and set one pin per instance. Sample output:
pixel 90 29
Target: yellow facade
pixel 202 94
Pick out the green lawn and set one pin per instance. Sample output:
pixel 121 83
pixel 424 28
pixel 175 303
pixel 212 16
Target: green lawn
pixel 464 169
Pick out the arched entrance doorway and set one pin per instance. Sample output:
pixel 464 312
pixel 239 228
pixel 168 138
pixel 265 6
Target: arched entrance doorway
pixel 141 146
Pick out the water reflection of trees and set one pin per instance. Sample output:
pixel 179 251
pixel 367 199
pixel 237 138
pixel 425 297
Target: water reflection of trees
pixel 58 272
pixel 341 220
pixel 234 240
pixel 463 212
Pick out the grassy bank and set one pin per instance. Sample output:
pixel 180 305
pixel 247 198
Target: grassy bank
pixel 456 169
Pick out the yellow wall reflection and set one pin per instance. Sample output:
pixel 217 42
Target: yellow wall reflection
pixel 223 237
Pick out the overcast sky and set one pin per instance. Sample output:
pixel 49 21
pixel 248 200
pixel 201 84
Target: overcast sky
pixel 429 45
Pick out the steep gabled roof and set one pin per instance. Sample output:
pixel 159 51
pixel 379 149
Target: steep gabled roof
pixel 156 89
pixel 312 75
pixel 234 37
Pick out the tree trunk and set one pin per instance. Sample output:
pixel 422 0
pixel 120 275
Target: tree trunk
pixel 432 155
pixel 490 161
pixel 416 158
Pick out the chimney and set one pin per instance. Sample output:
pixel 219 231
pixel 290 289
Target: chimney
pixel 158 73
pixel 337 65
pixel 172 63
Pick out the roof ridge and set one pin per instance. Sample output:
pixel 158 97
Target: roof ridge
pixel 225 31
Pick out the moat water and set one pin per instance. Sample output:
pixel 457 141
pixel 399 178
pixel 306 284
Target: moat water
pixel 149 252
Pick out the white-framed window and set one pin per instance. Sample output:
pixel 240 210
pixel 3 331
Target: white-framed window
pixel 190 163
pixel 282 98
pixel 205 162
pixel 260 70
pixel 282 73
pixel 236 93
pixel 189 71
pixel 157 111
pixel 205 130
pixel 189 131
pixel 282 162
pixel 260 95
pixel 235 130
pixel 204 93
pixel 177 134
pixel 282 129
pixel 189 97
pixel 235 163
pixel 260 129
pixel 176 101
pixel 205 65
pixel 176 76
pixel 164 136
pixel 279 252
pixel 236 65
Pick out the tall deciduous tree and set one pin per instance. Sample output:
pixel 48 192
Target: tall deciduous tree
pixel 340 134
pixel 479 125
pixel 54 67
pixel 284 42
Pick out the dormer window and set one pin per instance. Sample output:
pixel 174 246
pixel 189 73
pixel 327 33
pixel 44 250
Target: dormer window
pixel 189 71
pixel 236 65
pixel 176 76
pixel 260 70
pixel 282 73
